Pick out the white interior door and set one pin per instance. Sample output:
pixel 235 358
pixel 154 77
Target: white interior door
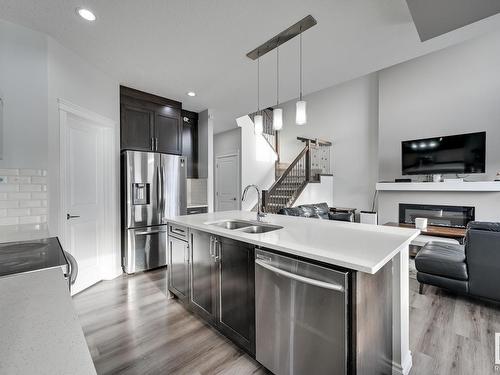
pixel 83 206
pixel 227 181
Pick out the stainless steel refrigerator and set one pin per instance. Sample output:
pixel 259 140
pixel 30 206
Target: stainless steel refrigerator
pixel 153 189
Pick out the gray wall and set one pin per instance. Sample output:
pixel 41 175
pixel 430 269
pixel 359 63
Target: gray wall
pixel 347 115
pixel 456 90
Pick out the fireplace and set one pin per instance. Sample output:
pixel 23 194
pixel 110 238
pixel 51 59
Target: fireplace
pixel 444 216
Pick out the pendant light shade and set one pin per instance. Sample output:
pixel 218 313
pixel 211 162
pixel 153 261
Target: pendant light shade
pixel 258 124
pixel 300 113
pixel 278 118
pixel 300 107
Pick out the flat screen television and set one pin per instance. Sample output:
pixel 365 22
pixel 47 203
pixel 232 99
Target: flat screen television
pixel 464 153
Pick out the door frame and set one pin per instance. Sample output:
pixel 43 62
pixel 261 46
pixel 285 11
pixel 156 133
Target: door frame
pixel 109 266
pixel 238 166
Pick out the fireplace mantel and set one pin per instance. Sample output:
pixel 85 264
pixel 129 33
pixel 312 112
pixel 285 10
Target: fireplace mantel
pixel 478 186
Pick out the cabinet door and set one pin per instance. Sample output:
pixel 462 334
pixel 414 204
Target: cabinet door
pixel 136 128
pixel 168 131
pixel 190 148
pixel 203 275
pixel 178 270
pixel 236 318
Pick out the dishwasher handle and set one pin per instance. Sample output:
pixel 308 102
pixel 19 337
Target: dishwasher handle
pixel 305 280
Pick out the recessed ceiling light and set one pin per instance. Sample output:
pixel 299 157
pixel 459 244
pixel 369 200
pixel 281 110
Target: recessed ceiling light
pixel 191 93
pixel 86 14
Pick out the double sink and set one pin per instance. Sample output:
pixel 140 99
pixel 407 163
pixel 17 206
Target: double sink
pixel 246 226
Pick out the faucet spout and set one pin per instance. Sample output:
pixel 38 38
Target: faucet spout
pixel 260 214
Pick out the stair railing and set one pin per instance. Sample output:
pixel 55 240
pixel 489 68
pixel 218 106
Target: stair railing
pixel 268 132
pixel 292 182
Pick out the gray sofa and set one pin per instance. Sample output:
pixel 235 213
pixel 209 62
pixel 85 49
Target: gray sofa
pixel 317 211
pixel 473 268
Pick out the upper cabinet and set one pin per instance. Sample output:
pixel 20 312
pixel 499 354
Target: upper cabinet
pixel 190 142
pixel 149 122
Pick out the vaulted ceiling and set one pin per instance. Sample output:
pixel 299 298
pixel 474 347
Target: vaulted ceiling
pixel 170 47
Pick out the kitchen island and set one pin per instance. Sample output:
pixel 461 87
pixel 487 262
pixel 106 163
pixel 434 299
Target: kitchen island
pixel 217 263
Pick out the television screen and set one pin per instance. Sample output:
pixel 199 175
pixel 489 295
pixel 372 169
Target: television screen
pixel 464 153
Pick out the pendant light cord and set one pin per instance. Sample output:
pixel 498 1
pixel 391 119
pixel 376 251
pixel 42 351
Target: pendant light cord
pixel 278 73
pixel 258 81
pixel 300 48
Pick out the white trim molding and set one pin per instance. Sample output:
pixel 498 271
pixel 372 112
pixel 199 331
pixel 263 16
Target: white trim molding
pixel 111 262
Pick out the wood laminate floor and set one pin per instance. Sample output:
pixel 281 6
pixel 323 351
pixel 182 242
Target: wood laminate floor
pixel 132 328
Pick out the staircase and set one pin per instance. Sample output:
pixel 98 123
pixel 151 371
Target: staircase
pixel 312 162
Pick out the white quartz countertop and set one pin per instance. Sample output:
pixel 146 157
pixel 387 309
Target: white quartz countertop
pixel 39 328
pixel 361 247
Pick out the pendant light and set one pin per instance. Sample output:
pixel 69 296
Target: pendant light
pixel 300 106
pixel 257 119
pixel 277 112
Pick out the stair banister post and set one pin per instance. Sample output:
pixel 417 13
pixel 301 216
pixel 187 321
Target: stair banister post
pixel 308 161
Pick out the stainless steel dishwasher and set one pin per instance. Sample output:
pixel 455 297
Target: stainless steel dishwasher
pixel 301 316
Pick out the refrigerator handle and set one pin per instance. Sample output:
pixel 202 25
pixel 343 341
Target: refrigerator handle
pixel 158 192
pixel 162 192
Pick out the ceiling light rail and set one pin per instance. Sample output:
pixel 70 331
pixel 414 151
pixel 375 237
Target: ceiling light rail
pixel 283 37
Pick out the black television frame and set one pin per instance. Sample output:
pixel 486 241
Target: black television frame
pixel 444 171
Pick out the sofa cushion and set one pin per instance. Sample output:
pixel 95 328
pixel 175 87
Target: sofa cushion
pixel 442 259
pixel 483 225
pixel 341 216
pixel 290 211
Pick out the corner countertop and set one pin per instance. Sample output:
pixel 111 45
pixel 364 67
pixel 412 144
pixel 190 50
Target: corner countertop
pixel 39 327
pixel 361 247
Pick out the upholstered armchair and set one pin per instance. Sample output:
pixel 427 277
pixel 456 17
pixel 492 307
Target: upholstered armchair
pixel 473 268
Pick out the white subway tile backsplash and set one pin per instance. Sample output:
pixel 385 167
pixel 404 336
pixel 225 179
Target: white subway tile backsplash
pixel 18 212
pixel 9 220
pixel 30 187
pixel 9 172
pixel 30 172
pixel 19 180
pixel 30 203
pixel 30 220
pixel 38 180
pixel 19 196
pixel 23 196
pixel 9 204
pixel 5 188
pixel 39 211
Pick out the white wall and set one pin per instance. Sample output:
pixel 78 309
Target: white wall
pixel 452 91
pixel 317 192
pixel 257 162
pixel 23 88
pixel 347 115
pixel 72 79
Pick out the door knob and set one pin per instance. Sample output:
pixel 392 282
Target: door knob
pixel 68 216
pixel 234 198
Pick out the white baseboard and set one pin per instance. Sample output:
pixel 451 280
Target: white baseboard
pixel 403 368
pixel 112 274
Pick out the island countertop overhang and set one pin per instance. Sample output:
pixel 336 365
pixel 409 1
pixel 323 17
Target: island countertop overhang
pixel 360 247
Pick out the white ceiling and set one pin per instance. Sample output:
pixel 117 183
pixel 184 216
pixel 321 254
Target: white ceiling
pixel 170 47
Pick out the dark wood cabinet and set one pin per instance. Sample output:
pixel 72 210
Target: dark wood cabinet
pixel 221 274
pixel 149 122
pixel 190 142
pixel 203 275
pixel 236 318
pixel 137 131
pixel 178 255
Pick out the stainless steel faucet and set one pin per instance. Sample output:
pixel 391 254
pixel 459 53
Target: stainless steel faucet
pixel 260 214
